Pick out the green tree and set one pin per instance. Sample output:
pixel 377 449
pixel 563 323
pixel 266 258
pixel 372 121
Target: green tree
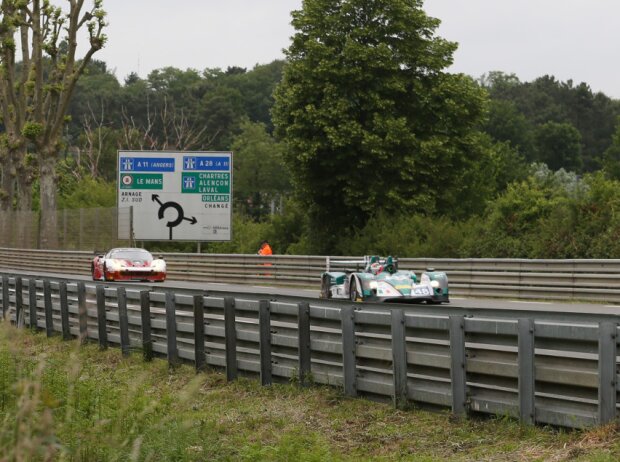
pixel 507 124
pixel 369 118
pixel 261 180
pixel 87 193
pixel 256 88
pixel 507 166
pixel 559 146
pixel 548 100
pixel 35 95
pixel 97 95
pixel 611 157
pixel 223 112
pixel 533 218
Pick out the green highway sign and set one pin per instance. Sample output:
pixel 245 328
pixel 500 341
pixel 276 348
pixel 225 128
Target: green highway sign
pixel 205 183
pixel 142 181
pixel 215 198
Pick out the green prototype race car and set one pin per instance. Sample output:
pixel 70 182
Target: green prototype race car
pixel 381 281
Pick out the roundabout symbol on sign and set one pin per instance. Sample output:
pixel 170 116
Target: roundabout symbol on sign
pixel 172 205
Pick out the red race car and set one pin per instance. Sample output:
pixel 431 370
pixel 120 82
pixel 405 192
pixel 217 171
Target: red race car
pixel 128 265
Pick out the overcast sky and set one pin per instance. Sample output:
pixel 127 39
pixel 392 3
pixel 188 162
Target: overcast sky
pixel 570 39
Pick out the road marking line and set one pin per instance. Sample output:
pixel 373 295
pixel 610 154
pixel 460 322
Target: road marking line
pixel 534 303
pixel 612 306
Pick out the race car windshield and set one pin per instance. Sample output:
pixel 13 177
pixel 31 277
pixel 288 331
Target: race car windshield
pixel 132 255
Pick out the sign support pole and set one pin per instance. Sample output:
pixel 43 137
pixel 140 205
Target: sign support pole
pixel 132 241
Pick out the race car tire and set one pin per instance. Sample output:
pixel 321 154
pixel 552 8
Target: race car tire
pixel 106 277
pixel 92 271
pixel 325 292
pixel 354 295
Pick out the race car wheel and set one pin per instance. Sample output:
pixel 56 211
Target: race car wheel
pixel 354 294
pixel 325 292
pixel 92 271
pixel 106 276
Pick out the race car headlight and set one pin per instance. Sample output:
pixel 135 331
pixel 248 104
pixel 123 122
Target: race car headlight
pixel 158 265
pixel 434 284
pixel 113 265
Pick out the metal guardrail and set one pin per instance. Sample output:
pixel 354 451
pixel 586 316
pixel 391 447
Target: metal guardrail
pixel 537 371
pixel 592 280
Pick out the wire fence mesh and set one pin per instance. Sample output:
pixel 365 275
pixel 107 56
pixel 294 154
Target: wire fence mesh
pixel 78 229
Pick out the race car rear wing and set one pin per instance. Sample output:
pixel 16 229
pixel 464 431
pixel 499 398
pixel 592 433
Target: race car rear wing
pixel 360 264
pixel 343 265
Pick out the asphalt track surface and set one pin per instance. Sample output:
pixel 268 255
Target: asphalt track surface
pixel 458 305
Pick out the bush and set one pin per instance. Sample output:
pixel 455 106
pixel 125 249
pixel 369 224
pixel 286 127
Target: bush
pixel 405 236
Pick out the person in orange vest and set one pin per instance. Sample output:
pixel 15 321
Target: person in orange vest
pixel 265 249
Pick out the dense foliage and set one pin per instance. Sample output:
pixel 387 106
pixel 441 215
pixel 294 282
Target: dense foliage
pixel 370 118
pixel 527 114
pixel 362 141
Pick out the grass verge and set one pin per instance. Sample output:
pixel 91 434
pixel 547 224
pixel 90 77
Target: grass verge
pixel 59 401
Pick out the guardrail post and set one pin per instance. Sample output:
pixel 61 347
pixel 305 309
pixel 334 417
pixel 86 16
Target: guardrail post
pixel 64 310
pixel 47 301
pixel 264 326
pixel 145 314
pixel 230 338
pixel 123 319
pixel 607 372
pixel 32 303
pixel 348 351
pixel 199 333
pixel 102 328
pixel 19 303
pixel 399 359
pixel 457 365
pixel 305 354
pixel 5 296
pixel 171 330
pixel 82 312
pixel 527 371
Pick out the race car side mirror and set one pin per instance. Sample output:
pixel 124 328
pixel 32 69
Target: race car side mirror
pixel 161 257
pixel 99 256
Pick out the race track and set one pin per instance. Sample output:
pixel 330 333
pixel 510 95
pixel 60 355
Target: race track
pixel 458 305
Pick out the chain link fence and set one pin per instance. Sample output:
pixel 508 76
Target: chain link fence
pixel 78 229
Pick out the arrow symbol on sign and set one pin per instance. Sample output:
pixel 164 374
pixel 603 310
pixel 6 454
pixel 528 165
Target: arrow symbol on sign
pixel 171 205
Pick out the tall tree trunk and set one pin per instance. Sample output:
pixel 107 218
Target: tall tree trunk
pixel 48 185
pixel 23 180
pixel 7 185
pixel 7 192
pixel 24 225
